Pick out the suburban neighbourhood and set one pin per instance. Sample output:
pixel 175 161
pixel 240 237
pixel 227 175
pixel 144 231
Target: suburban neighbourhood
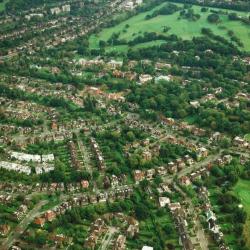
pixel 124 125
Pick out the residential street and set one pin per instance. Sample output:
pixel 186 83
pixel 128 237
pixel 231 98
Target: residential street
pixel 29 217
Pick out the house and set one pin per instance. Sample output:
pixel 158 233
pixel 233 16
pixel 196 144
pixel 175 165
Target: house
pixel 66 8
pixel 138 175
pixel 102 197
pixel 58 238
pixel 47 158
pixel 167 121
pixel 172 168
pixel 54 126
pixel 180 164
pixel 120 243
pixel 150 174
pixel 138 2
pixel 132 230
pixel 184 180
pixel 91 242
pixel 238 141
pixel 189 161
pixel 227 159
pixel 4 229
pixel 163 78
pixel 36 15
pixel 55 11
pixel 147 248
pixel 165 187
pixel 145 78
pixel 84 184
pixel 114 180
pixel 161 170
pixel 15 167
pixel 39 221
pixel 25 157
pixel 50 215
pixel 208 97
pixel 114 64
pixel 202 153
pixel 195 104
pixel 159 66
pixel 174 206
pixel 218 90
pixel 129 5
pixel 216 136
pixel 163 201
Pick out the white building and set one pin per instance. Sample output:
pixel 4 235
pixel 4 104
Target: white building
pixel 163 78
pixel 25 157
pixel 147 248
pixel 15 167
pixel 163 201
pixel 66 8
pixel 145 78
pixel 55 11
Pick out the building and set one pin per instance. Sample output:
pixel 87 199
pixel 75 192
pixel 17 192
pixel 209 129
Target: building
pixel 50 215
pixel 39 221
pixel 66 8
pixel 185 180
pixel 55 11
pixel 138 175
pixel 84 184
pixel 120 243
pixel 147 248
pixel 195 104
pixel 163 201
pixel 4 229
pixel 145 78
pixel 163 78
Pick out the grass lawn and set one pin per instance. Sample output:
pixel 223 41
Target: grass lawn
pixel 242 190
pixel 247 137
pixel 2 5
pixel 183 28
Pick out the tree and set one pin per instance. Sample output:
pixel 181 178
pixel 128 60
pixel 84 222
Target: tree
pixel 213 18
pixel 102 44
pixel 141 212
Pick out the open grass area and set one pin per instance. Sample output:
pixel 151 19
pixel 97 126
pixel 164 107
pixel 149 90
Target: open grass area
pixel 2 5
pixel 183 28
pixel 242 190
pixel 247 137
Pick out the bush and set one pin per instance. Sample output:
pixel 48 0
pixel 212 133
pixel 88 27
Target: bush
pixel 213 18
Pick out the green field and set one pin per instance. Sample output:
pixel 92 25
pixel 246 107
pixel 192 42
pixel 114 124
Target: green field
pixel 242 190
pixel 183 28
pixel 247 137
pixel 2 5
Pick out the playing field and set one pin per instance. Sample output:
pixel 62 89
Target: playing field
pixel 183 28
pixel 242 190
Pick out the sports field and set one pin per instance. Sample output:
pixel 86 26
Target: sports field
pixel 183 28
pixel 242 190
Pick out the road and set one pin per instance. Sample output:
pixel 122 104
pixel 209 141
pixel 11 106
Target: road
pixel 200 234
pixel 29 217
pixel 194 167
